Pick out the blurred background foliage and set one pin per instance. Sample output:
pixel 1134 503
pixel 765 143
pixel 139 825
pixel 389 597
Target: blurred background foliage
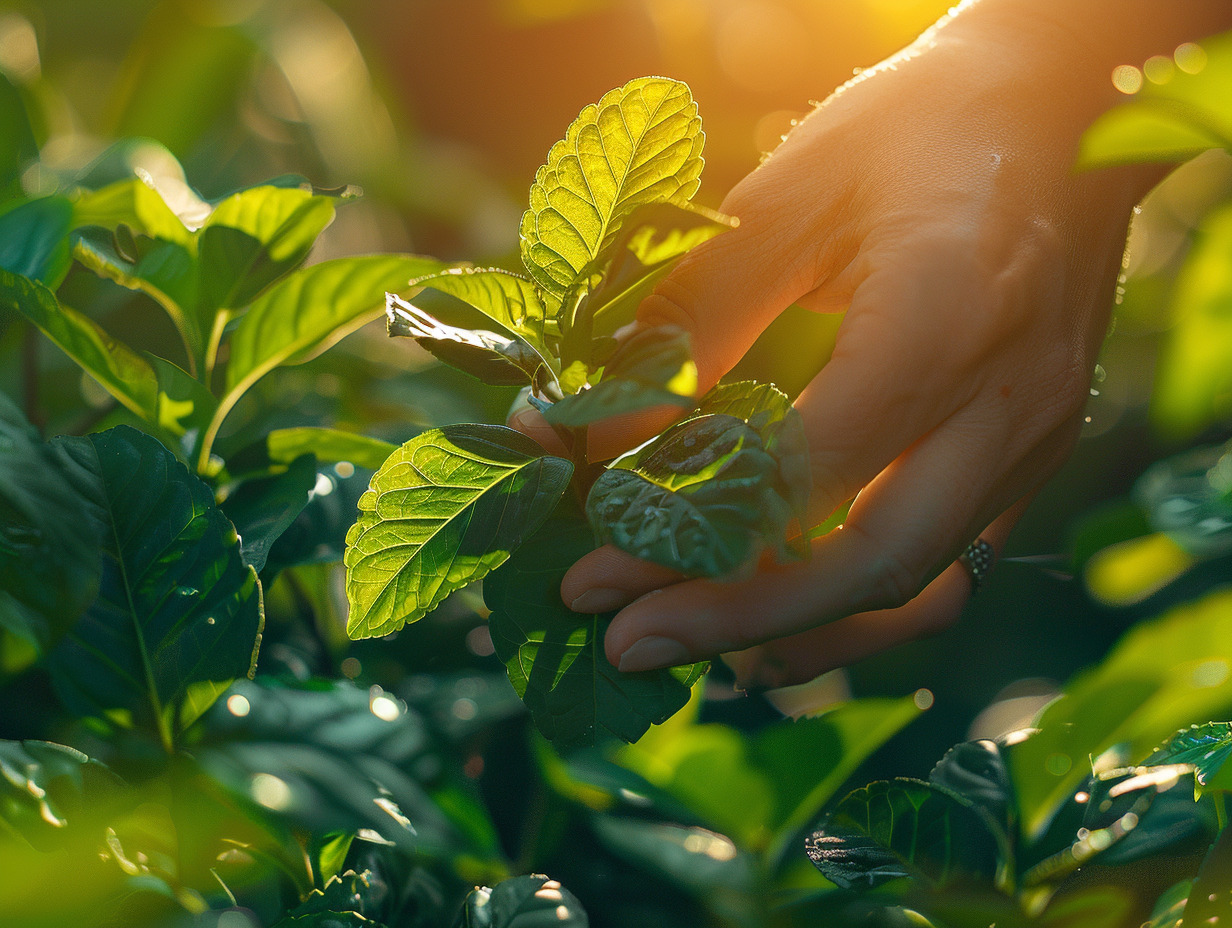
pixel 439 111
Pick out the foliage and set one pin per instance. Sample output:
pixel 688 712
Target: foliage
pixel 192 739
pixel 609 215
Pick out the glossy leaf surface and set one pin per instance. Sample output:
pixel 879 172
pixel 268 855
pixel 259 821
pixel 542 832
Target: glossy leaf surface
pixel 1207 747
pixel 640 144
pixel 702 498
pixel 447 507
pixel 49 556
pixel 263 508
pixel 34 240
pixel 326 757
pixel 177 605
pixel 522 902
pixel 347 901
pixel 902 828
pixel 555 656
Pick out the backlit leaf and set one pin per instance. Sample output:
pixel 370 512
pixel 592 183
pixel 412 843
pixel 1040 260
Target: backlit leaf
pixel 509 300
pixel 312 309
pixel 329 445
pixel 555 656
pixel 640 144
pixel 176 607
pixel 1207 747
pixel 450 505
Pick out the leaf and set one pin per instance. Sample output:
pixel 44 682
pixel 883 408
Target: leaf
pixel 262 508
pixel 702 498
pixel 1162 674
pixel 1189 496
pixel 555 656
pixel 49 555
pixel 347 901
pixel 253 238
pixel 17 143
pixel 487 296
pixel 450 505
pixel 1193 383
pixel 652 241
pixel 1207 747
pixel 640 144
pixel 133 202
pixel 329 445
pixel 1204 900
pixel 164 270
pixel 318 534
pixel 45 786
pixel 156 390
pixel 522 902
pixel 976 771
pixel 651 368
pixel 312 309
pixel 34 240
pixel 900 828
pixel 1169 121
pixel 766 408
pixel 325 757
pixel 177 606
pixel 495 358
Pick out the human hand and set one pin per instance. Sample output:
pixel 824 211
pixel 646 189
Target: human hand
pixel 933 200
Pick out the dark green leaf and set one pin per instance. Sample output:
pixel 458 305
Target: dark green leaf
pixel 262 508
pixel 501 359
pixel 449 506
pixel 555 656
pixel 976 771
pixel 1204 900
pixel 522 902
pixel 769 410
pixel 44 786
pixel 325 757
pixel 329 445
pixel 34 240
pixel 178 612
pixel 1189 497
pixel 347 901
pixel 1207 747
pixel 1093 907
pixel 49 556
pixel 900 828
pixel 1128 814
pixel 702 498
pixel 610 398
pixel 640 144
pixel 318 534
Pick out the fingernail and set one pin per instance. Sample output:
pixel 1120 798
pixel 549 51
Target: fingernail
pixel 652 653
pixel 600 599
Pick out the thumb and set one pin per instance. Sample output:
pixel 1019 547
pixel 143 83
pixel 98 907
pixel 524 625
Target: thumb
pixel 724 294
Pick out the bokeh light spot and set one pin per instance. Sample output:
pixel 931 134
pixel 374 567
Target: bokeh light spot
pixel 1126 78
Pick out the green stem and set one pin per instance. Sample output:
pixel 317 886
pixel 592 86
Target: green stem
pixel 225 405
pixel 221 318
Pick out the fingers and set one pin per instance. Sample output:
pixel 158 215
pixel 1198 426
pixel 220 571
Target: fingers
pixel 800 658
pixel 530 422
pixel 608 579
pixel 916 515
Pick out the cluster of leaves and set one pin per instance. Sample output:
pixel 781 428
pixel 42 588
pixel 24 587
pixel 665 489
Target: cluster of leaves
pixel 609 216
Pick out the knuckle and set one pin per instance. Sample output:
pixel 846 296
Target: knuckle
pixel 894 583
pixel 669 304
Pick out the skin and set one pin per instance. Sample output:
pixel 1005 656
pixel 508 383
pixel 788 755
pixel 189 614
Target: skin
pixel 933 200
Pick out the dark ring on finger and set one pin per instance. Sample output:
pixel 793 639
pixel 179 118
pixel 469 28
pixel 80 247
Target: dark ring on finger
pixel 978 559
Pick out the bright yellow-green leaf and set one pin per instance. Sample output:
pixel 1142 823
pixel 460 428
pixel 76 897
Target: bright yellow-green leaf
pixel 446 508
pixel 640 144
